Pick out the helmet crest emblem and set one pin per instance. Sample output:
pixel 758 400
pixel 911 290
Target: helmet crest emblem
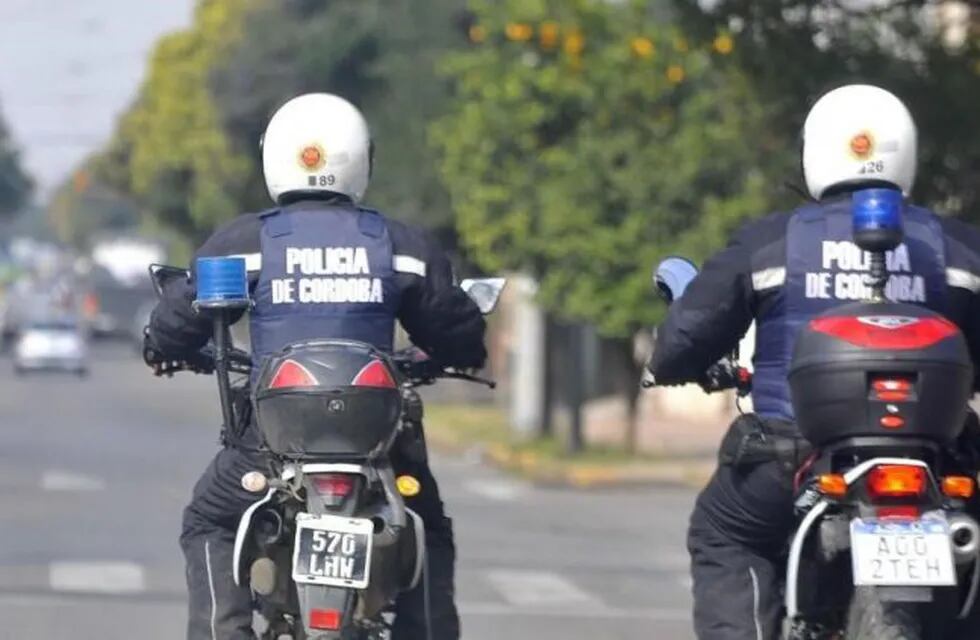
pixel 312 157
pixel 862 145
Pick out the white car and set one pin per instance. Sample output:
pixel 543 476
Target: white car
pixel 51 345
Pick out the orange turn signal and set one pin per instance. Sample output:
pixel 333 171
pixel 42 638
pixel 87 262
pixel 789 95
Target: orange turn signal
pixel 959 486
pixel 832 484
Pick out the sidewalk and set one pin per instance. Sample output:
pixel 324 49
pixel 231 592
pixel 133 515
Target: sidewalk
pixel 482 431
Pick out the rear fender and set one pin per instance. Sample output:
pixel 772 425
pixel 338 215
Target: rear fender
pixel 414 549
pixel 316 598
pixel 245 548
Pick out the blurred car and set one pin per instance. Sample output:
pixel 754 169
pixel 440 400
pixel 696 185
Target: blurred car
pixel 51 344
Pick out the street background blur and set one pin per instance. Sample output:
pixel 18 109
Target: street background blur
pixel 569 144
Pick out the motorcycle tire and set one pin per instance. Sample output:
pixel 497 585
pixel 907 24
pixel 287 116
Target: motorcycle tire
pixel 869 618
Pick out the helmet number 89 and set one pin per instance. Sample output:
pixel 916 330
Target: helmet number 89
pixel 322 181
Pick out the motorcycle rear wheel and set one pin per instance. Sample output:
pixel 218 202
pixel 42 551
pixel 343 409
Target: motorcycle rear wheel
pixel 869 618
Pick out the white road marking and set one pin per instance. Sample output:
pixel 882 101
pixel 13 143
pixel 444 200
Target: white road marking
pixel 495 609
pixel 59 480
pixel 466 608
pixel 497 490
pixel 537 588
pixel 97 577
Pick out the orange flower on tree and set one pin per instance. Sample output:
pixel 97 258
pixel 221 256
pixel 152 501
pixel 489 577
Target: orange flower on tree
pixel 675 74
pixel 724 44
pixel 519 32
pixel 642 47
pixel 574 43
pixel 548 34
pixel 478 34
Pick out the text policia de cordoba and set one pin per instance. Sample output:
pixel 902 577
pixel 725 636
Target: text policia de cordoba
pixel 327 275
pixel 844 277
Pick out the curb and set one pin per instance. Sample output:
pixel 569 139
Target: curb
pixel 686 472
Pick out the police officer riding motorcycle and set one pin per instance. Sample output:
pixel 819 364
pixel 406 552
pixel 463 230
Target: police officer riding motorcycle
pixel 780 272
pixel 320 266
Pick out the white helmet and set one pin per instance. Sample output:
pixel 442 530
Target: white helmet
pixel 317 142
pixel 858 133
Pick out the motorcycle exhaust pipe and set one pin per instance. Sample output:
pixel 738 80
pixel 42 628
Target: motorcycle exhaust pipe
pixel 965 536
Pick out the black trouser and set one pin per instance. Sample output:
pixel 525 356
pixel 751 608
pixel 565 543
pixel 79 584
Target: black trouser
pixel 220 610
pixel 738 534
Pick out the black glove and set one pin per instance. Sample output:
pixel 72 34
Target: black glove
pixel 152 356
pixel 163 365
pixel 726 374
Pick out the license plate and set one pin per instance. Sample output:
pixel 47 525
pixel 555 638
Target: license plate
pixel 332 550
pixel 902 553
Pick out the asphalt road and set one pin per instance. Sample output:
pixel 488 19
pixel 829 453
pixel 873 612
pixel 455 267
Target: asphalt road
pixel 95 472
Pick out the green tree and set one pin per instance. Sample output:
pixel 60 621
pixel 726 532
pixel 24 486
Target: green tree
pixel 378 54
pixel 926 52
pixel 170 151
pixel 15 185
pixel 81 208
pixel 188 150
pixel 587 140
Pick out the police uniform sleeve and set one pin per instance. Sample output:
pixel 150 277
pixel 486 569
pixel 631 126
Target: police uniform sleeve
pixel 438 316
pixel 963 280
pixel 708 321
pixel 175 328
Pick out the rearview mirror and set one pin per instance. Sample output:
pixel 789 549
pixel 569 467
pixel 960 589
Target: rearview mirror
pixel 672 276
pixel 485 292
pixel 161 274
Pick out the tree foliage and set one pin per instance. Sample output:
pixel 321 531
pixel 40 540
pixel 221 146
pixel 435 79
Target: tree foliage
pixel 81 208
pixel 188 150
pixel 170 151
pixel 378 54
pixel 928 53
pixel 15 184
pixel 588 139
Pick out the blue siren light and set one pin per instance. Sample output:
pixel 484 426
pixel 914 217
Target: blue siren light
pixel 221 282
pixel 877 218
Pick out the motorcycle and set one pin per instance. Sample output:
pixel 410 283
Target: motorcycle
pixel 330 543
pixel 884 546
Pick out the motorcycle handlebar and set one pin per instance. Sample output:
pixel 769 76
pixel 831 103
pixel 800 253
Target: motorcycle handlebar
pixel 420 370
pixel 721 376
pixel 414 365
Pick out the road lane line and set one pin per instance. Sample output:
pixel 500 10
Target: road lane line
pixel 96 577
pixel 59 480
pixel 538 588
pixel 466 608
pixel 496 490
pixel 495 609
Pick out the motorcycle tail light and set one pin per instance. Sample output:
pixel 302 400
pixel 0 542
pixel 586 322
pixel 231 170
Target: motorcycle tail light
pixel 896 481
pixel 327 619
pixel 292 374
pixel 374 374
pixel 898 512
pixel 891 388
pixel 958 487
pixel 332 487
pixel 832 484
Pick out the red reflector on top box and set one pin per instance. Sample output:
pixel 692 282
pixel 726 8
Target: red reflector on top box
pixel 374 374
pixel 292 374
pixel 886 332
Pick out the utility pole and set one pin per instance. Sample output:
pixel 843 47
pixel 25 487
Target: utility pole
pixel 575 381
